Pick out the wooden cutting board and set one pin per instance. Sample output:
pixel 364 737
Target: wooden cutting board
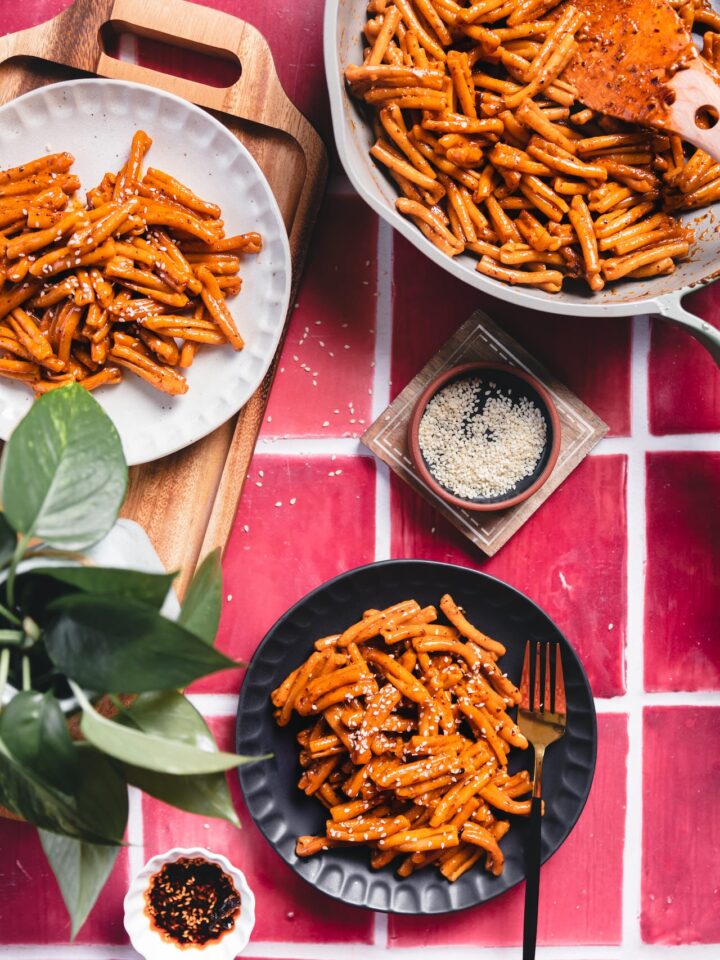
pixel 187 501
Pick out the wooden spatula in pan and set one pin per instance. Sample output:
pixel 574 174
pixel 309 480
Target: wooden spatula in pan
pixel 637 62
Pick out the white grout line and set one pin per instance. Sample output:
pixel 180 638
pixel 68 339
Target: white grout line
pixel 225 704
pixel 360 951
pixel 214 704
pixel 381 380
pixel 312 446
pixel 674 443
pixel 380 399
pixel 676 698
pixel 135 834
pixel 128 48
pixel 380 933
pixel 636 556
pixel 350 446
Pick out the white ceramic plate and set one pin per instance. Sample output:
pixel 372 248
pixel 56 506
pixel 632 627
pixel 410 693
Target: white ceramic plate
pixel 95 121
pixel 148 942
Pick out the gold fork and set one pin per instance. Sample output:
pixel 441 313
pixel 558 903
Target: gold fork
pixel 542 721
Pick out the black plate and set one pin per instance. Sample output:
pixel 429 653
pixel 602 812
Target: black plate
pixel 282 812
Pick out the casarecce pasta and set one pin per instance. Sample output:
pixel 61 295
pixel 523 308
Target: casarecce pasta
pixel 134 279
pixel 407 739
pixel 493 155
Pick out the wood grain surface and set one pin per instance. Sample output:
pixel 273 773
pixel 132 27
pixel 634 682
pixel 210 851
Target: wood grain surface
pixel 187 501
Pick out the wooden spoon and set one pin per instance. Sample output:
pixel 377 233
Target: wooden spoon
pixel 637 61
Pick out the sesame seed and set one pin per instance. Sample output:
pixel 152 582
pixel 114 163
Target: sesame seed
pixel 480 448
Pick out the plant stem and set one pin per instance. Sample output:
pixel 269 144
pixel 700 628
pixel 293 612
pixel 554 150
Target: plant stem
pixel 9 615
pixel 14 637
pixel 4 670
pixel 16 558
pixel 26 681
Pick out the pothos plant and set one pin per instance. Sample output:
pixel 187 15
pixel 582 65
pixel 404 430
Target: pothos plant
pixel 74 636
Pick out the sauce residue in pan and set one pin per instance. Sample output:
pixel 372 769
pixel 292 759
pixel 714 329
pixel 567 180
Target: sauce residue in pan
pixel 192 902
pixel 629 50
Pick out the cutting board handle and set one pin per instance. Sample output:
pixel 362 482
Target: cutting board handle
pixel 211 31
pixel 73 38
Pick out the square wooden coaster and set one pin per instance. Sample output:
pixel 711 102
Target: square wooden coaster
pixel 479 338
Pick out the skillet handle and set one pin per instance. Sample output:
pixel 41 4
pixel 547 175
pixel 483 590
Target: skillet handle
pixel 671 309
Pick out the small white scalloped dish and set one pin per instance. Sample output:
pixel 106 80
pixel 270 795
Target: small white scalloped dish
pixel 95 120
pixel 150 944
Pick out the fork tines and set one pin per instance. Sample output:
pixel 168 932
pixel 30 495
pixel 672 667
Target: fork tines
pixel 542 693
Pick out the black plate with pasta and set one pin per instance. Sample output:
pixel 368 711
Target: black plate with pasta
pixel 283 812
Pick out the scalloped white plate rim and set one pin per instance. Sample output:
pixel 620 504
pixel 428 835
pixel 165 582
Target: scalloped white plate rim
pixel 148 942
pixel 137 403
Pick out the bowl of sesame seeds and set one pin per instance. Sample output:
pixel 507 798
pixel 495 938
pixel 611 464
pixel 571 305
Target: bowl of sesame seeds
pixel 484 436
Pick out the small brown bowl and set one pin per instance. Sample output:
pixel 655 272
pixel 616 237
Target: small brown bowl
pixel 522 385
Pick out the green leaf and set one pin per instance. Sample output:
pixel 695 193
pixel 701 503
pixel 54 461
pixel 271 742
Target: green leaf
pixel 170 714
pixel 63 475
pixel 8 540
pixel 87 815
pixel 35 732
pixel 202 605
pixel 150 752
pixel 81 870
pixel 207 795
pixel 149 588
pixel 102 791
pixel 116 645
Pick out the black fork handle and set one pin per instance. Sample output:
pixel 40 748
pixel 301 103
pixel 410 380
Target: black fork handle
pixel 532 880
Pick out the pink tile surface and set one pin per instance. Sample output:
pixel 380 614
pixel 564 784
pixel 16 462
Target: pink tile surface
pixel 31 905
pixel 287 909
pixel 324 380
pixel 592 358
pixel 580 892
pixel 285 551
pixel 20 16
pixel 571 558
pixel 684 385
pixel 681 828
pixel 682 597
pixel 579 581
